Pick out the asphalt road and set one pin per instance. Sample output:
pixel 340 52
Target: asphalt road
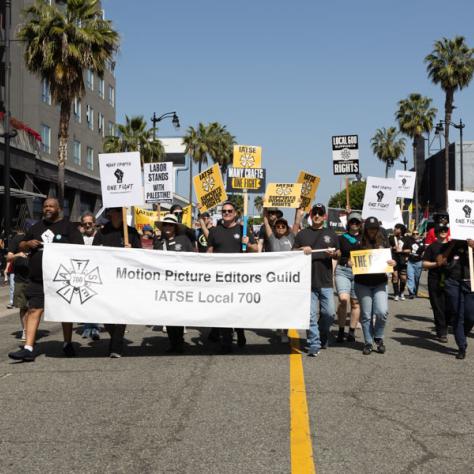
pixel 410 410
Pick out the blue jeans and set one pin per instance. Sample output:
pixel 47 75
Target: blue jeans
pixel 462 303
pixel 413 276
pixel 373 300
pixel 321 317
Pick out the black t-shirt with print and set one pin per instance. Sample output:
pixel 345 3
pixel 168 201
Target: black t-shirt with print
pixel 321 266
pixel 416 247
pixel 227 239
pixel 109 236
pixel 179 243
pixel 431 252
pixel 201 241
pixel 262 235
pixel 347 242
pixel 458 260
pixel 20 264
pixel 60 232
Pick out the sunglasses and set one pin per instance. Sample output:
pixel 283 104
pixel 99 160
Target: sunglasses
pixel 281 226
pixel 354 222
pixel 227 211
pixel 319 213
pixel 88 224
pixel 177 213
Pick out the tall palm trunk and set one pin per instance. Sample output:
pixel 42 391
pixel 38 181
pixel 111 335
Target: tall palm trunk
pixel 65 115
pixel 415 210
pixel 190 180
pixel 448 108
pixel 386 169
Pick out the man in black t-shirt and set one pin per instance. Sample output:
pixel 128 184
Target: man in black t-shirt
pixel 227 237
pixel 51 229
pixel 111 235
pixel 322 310
pixel 173 239
pixel 20 270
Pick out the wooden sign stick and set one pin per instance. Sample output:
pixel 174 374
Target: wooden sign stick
pixel 125 226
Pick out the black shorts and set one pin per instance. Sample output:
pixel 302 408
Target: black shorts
pixel 35 295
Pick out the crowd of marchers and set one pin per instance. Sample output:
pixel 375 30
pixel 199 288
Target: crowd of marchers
pixel 364 297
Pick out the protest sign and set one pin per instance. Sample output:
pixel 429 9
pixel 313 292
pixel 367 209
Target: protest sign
pixel 121 179
pixel 250 179
pixel 345 154
pixel 406 183
pixel 145 217
pixel 282 195
pixel 139 286
pixel 209 188
pixel 158 182
pixel 371 261
pixel 461 215
pixel 187 219
pixel 380 198
pixel 247 156
pixel 309 186
pixel 396 219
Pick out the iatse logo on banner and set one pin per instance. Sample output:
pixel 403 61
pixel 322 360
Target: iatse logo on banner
pixel 76 281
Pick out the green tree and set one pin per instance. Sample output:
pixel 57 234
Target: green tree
pixel 356 196
pixel 134 136
pixel 415 116
pixel 451 65
pixel 258 203
pixel 387 146
pixel 238 200
pixel 60 44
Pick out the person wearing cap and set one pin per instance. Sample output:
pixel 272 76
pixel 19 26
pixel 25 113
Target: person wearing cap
pixel 322 310
pixel 177 210
pixel 400 255
pixel 272 215
pixel 205 225
pixel 441 219
pixel 112 235
pixel 228 237
pixel 344 278
pixel 454 258
pixel 415 245
pixel 371 290
pixel 173 239
pixel 436 283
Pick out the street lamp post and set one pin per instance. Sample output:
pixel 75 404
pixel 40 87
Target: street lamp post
pixel 172 115
pixel 459 126
pixel 404 162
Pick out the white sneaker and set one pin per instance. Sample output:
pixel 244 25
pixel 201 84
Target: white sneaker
pixel 164 329
pixel 402 297
pixel 115 355
pixel 395 298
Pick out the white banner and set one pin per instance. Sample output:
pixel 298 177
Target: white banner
pixel 138 286
pixel 121 179
pixel 461 214
pixel 406 183
pixel 380 198
pixel 397 219
pixel 158 182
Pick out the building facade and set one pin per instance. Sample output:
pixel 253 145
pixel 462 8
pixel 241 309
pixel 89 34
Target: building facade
pixel 33 163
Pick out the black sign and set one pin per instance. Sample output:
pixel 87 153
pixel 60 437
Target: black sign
pixel 250 179
pixel 345 154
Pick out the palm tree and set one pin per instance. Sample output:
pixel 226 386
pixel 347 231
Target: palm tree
pixel 451 65
pixel 258 203
pixel 134 136
pixel 387 146
pixel 415 116
pixel 60 44
pixel 222 147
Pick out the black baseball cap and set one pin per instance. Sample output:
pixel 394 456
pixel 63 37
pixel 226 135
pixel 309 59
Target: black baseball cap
pixel 372 223
pixel 318 208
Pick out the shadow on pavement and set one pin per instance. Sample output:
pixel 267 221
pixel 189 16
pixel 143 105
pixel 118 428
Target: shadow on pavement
pixel 422 340
pixel 410 317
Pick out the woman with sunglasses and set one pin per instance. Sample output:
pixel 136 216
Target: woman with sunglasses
pixel 344 278
pixel 371 290
pixel 415 245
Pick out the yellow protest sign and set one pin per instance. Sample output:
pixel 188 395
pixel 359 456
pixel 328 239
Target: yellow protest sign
pixel 247 156
pixel 310 184
pixel 187 216
pixel 209 188
pixel 371 261
pixel 144 217
pixel 282 195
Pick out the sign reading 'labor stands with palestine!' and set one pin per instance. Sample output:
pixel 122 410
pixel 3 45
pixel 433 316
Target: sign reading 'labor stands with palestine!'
pixel 209 188
pixel 345 154
pixel 158 182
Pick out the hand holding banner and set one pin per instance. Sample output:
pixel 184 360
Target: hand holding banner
pixel 309 187
pixel 283 195
pixel 209 188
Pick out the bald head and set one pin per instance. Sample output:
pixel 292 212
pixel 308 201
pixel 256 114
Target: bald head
pixel 51 210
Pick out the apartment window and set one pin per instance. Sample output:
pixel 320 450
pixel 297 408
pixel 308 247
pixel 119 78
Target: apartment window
pixel 76 110
pixel 76 152
pixel 101 124
pixel 45 92
pixel 90 117
pixel 90 158
pixel 111 129
pixel 45 139
pixel 111 96
pixel 101 88
pixel 90 79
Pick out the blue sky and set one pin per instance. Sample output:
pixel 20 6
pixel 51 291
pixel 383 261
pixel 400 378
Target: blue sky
pixel 285 75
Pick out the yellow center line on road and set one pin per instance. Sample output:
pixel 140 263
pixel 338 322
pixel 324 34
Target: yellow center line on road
pixel 301 447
